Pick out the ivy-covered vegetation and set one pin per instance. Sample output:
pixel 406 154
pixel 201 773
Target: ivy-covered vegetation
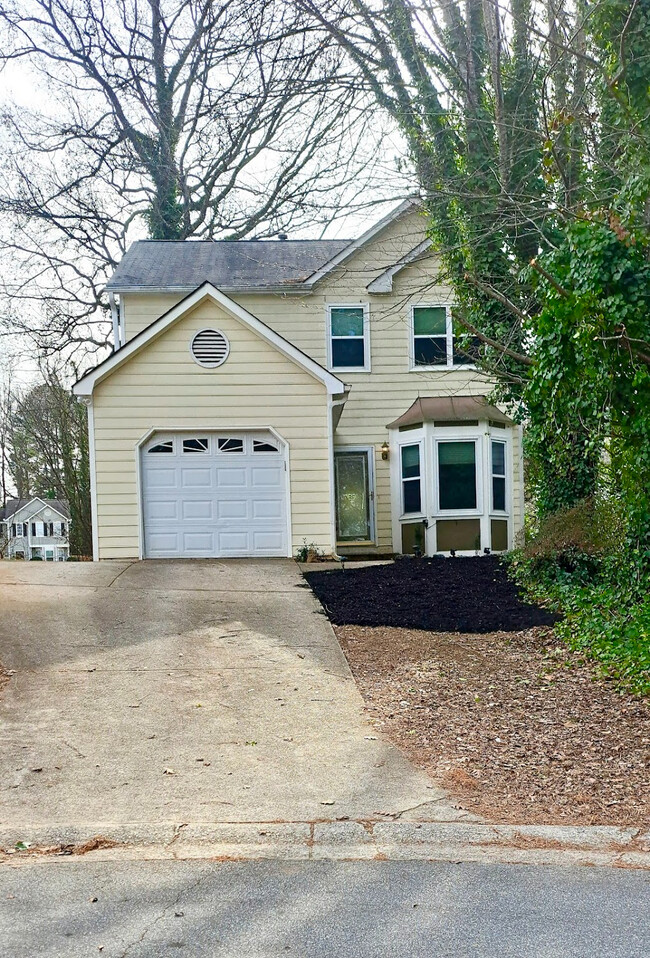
pixel 528 127
pixel 581 562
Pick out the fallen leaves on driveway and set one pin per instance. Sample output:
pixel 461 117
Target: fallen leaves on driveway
pixel 517 727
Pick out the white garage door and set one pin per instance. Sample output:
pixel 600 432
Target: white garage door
pixel 214 495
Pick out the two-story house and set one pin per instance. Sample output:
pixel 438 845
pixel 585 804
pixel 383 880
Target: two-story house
pixel 35 529
pixel 267 394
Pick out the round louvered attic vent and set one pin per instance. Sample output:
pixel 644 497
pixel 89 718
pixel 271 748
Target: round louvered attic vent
pixel 210 348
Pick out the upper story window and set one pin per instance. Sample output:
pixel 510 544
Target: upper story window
pixel 433 340
pixel 348 338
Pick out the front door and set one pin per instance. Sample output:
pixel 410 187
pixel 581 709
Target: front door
pixel 354 513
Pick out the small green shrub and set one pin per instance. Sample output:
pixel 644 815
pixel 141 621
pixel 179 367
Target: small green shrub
pixel 309 552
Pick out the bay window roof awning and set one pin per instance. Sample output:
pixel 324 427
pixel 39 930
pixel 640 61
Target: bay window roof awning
pixel 448 409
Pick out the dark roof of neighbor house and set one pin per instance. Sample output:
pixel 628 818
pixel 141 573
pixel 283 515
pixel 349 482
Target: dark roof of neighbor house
pixel 160 264
pixel 14 505
pixel 449 409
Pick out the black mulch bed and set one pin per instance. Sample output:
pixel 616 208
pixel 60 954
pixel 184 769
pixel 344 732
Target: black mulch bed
pixel 461 594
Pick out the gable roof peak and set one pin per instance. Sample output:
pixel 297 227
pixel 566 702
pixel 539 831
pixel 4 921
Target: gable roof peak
pixel 85 385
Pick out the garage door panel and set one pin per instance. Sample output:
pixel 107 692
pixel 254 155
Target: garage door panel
pixel 163 542
pixel 267 542
pixel 201 543
pixel 163 509
pixel 232 477
pixel 265 477
pixel 267 508
pixel 198 509
pixel 232 508
pixel 163 478
pixel 233 542
pixel 218 507
pixel 193 478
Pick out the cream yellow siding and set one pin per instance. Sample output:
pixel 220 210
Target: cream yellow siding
pixel 377 397
pixel 162 388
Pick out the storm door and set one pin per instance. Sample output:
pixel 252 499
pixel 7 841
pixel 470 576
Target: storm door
pixel 352 477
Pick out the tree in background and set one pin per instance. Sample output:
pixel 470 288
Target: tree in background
pixel 527 125
pixel 174 120
pixel 48 453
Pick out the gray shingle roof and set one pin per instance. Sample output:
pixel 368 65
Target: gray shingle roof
pixel 13 505
pixel 241 264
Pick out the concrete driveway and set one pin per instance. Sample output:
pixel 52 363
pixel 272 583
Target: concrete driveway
pixel 158 692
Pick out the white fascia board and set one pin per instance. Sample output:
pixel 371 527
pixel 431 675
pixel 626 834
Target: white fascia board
pixel 85 386
pixel 45 504
pixel 52 508
pixel 384 282
pixel 357 244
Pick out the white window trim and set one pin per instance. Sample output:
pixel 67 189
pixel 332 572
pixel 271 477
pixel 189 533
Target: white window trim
pixel 449 336
pixel 366 338
pixel 423 497
pixel 370 453
pixel 459 436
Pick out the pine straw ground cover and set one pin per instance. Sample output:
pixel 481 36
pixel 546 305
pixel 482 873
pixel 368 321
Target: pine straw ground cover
pixel 515 727
pixel 512 723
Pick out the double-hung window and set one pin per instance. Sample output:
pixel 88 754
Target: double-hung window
pixel 348 340
pixel 411 479
pixel 432 339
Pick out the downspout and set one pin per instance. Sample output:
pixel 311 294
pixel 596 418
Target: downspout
pixel 335 404
pixel 116 322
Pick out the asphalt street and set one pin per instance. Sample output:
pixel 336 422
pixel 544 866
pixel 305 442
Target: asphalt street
pixel 77 909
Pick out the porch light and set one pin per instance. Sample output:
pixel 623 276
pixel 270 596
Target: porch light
pixel 384 451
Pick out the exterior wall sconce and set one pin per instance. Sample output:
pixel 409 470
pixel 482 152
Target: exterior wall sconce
pixel 384 451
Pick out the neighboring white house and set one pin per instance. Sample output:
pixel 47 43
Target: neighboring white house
pixel 267 394
pixel 35 529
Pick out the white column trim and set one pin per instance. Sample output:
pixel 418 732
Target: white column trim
pixel 93 478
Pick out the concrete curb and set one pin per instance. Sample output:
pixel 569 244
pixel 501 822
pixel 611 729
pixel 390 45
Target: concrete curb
pixel 332 840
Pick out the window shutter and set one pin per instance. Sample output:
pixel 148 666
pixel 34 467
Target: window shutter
pixel 33 528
